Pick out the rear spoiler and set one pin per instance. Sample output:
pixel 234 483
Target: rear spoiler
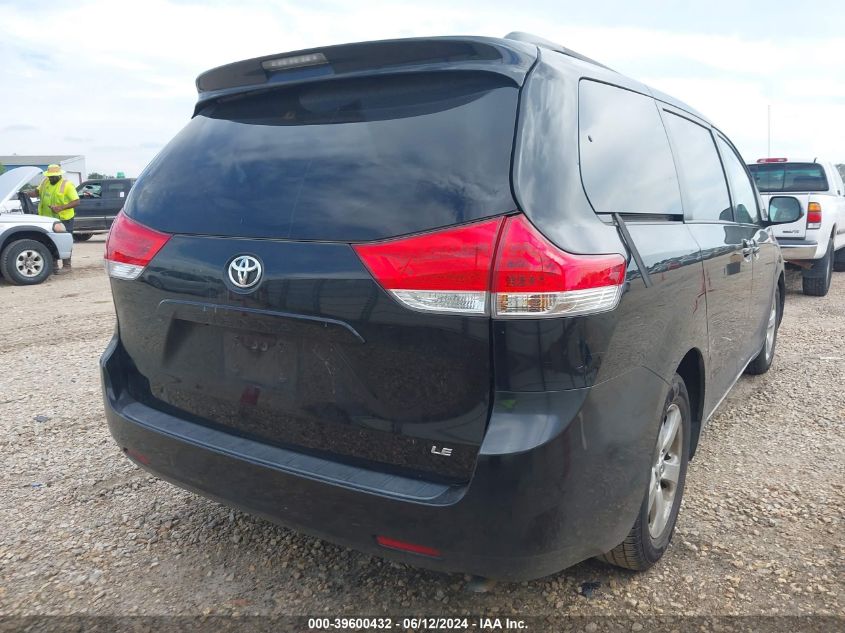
pixel 506 57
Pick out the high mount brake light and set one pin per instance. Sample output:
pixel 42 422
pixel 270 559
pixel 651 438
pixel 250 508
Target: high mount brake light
pixel 771 160
pixel 506 262
pixel 294 61
pixel 814 215
pixel 130 247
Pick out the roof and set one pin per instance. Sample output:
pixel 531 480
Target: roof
pixel 20 159
pixel 558 48
pixel 542 42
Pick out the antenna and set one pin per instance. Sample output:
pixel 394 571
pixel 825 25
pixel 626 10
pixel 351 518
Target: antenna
pixel 542 42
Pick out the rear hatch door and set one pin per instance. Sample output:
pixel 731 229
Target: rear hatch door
pixel 316 355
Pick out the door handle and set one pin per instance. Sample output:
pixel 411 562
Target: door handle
pixel 747 250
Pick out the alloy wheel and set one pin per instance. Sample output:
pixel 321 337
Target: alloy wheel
pixel 665 471
pixel 29 263
pixel 771 327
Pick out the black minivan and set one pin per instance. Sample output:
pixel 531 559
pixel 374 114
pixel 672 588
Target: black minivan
pixel 462 302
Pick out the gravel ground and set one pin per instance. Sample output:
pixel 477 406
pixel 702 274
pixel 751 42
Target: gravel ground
pixel 86 532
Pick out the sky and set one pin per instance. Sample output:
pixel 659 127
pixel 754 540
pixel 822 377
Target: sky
pixel 114 80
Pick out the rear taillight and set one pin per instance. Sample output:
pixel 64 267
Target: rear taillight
pixel 130 247
pixel 443 271
pixel 462 270
pixel 533 277
pixel 814 215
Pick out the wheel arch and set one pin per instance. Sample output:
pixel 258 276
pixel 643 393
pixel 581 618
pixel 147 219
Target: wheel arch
pixel 29 234
pixel 691 369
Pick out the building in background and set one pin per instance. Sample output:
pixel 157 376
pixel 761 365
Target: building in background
pixel 73 166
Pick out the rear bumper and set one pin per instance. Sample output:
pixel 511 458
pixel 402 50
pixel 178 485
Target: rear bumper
pixel 796 249
pixel 559 479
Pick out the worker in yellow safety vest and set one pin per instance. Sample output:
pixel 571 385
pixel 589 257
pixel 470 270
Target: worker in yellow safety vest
pixel 58 200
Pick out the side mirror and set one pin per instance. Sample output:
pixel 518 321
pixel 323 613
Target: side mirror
pixel 784 210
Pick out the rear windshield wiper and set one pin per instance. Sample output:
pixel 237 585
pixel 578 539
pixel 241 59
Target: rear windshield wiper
pixel 632 248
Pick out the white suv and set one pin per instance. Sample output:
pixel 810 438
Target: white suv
pixel 816 242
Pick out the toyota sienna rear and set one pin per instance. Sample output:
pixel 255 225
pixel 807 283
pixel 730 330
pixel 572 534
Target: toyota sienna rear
pixel 435 299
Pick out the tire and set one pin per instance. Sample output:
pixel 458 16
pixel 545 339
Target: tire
pixel 818 286
pixel 648 541
pixel 82 237
pixel 26 263
pixel 763 360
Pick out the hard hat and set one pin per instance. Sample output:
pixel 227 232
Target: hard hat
pixel 53 170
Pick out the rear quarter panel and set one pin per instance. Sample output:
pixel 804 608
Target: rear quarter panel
pixel 621 361
pixel 652 327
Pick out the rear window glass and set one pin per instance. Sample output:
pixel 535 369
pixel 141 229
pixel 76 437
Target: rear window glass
pixel 342 160
pixel 626 164
pixel 789 177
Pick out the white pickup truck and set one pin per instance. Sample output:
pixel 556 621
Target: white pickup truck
pixel 816 242
pixel 30 245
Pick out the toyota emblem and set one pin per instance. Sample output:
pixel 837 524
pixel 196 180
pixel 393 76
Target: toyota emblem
pixel 245 271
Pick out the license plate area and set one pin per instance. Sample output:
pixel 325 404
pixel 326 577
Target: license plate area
pixel 261 359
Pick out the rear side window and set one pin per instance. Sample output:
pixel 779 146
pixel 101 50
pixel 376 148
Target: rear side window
pixel 699 167
pixel 789 177
pixel 116 190
pixel 343 160
pixel 626 164
pixel 744 196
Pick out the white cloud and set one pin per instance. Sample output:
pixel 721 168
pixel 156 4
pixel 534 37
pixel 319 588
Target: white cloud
pixel 123 82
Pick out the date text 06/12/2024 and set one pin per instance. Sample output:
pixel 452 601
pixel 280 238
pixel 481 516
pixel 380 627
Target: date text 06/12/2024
pixel 424 624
